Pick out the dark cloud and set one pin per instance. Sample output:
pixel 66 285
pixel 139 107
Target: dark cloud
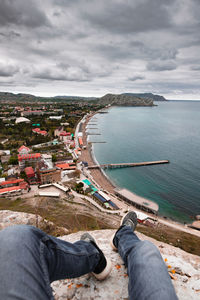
pixel 8 70
pixel 135 78
pixel 20 12
pixel 161 66
pixel 128 16
pixel 11 34
pixel 61 74
pixel 95 46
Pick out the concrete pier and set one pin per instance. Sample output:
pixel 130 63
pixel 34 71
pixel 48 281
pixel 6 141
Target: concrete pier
pixel 126 165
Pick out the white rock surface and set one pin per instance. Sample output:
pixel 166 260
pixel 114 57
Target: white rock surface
pixel 187 282
pixel 187 266
pixel 8 218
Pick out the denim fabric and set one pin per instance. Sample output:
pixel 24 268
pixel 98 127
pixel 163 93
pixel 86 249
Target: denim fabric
pixel 30 260
pixel 148 275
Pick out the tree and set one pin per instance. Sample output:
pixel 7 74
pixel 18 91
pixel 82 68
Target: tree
pixel 54 158
pixel 79 187
pixel 13 160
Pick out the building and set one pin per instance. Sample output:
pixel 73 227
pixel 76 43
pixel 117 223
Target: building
pixel 32 113
pixel 49 175
pixel 11 191
pixel 137 201
pixel 55 117
pixel 22 120
pixel 23 150
pixel 80 142
pixel 13 187
pixel 47 158
pixel 64 133
pixel 28 159
pixel 41 132
pixel 66 166
pixel 30 174
pixel 10 183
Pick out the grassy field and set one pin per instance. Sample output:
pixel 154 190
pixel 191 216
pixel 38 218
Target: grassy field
pixel 58 212
pixel 185 241
pixel 75 217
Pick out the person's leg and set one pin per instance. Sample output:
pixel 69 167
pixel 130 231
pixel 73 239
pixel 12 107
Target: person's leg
pixel 148 275
pixel 30 260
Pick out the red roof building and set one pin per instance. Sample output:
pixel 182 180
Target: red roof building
pixel 32 156
pixel 29 172
pixel 66 166
pixel 42 132
pixel 80 141
pixel 36 130
pixel 23 150
pixel 10 189
pixel 8 183
pixel 64 133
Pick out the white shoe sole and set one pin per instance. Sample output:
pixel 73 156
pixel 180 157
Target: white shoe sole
pixel 105 272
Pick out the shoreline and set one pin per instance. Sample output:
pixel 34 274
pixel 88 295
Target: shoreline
pixel 106 183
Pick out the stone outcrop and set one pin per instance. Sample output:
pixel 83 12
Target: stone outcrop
pixel 186 278
pixel 8 217
pixel 186 266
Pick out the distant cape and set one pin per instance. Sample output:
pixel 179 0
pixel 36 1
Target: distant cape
pixel 125 100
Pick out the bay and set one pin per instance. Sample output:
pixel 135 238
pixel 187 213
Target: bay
pixel 170 131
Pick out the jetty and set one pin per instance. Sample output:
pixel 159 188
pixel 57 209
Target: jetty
pixel 126 165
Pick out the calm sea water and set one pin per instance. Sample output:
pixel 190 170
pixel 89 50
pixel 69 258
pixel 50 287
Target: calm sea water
pixel 170 131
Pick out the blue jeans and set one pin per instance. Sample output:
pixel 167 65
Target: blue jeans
pixel 30 260
pixel 148 275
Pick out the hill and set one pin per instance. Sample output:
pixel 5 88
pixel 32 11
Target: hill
pixel 147 96
pixel 125 100
pixel 11 97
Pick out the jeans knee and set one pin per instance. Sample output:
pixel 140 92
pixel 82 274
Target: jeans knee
pixel 149 247
pixel 16 235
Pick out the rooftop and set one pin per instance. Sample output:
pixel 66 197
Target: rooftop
pixel 11 182
pixel 23 148
pixel 10 189
pixel 29 156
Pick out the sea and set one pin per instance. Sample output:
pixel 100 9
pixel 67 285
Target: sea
pixel 168 131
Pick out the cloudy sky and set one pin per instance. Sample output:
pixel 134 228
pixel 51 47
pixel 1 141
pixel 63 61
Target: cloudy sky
pixel 92 47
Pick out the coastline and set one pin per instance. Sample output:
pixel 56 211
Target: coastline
pixel 104 182
pixel 87 154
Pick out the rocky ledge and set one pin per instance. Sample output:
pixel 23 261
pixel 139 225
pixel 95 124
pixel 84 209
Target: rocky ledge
pixel 186 278
pixel 184 267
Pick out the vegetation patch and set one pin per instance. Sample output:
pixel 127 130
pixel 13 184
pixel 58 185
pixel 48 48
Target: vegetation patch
pixel 183 240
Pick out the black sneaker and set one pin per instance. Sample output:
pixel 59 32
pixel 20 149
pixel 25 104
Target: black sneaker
pixel 129 219
pixel 104 266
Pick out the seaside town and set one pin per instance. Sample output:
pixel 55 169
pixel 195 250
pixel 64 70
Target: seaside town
pixel 45 152
pixel 49 178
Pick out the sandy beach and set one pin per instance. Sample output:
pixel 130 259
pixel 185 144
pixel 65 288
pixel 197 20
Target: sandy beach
pixel 86 155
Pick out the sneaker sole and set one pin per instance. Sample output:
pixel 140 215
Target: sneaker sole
pixel 112 237
pixel 105 272
pixel 135 216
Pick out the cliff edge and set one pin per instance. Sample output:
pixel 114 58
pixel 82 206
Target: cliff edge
pixel 186 266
